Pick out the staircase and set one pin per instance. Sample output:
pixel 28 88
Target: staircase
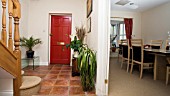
pixel 10 58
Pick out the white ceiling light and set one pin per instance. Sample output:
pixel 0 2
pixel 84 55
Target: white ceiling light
pixel 122 2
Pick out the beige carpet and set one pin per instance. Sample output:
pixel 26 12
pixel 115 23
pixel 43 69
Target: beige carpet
pixel 122 83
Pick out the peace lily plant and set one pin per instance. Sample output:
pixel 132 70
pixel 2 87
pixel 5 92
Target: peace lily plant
pixel 87 66
pixel 86 59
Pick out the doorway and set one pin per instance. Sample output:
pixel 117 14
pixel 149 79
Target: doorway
pixel 59 37
pixel 117 33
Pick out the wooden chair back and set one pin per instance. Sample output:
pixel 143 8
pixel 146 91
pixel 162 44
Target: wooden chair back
pixel 156 44
pixel 137 49
pixel 124 47
pixel 121 43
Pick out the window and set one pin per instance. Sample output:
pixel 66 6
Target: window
pixel 122 34
pixel 117 28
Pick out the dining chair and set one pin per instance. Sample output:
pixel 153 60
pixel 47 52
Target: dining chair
pixel 120 42
pixel 156 44
pixel 167 70
pixel 140 57
pixel 119 50
pixel 126 54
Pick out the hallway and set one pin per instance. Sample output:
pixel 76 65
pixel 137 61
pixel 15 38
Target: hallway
pixel 57 81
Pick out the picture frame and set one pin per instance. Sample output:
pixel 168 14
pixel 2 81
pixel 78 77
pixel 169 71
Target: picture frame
pixel 89 25
pixel 89 7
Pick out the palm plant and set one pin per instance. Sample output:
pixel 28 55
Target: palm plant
pixel 30 43
pixel 87 66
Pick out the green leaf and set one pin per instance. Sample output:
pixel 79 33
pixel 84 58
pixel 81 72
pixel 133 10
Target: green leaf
pixel 87 65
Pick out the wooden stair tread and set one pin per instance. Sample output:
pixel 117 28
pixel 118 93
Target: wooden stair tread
pixel 30 81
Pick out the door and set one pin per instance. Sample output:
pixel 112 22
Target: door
pixel 60 31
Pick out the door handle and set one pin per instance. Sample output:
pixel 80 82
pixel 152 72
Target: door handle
pixel 60 43
pixel 51 34
pixel 66 34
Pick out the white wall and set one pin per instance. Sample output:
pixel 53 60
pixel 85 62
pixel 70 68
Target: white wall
pixel 23 27
pixel 97 40
pixel 38 20
pixel 136 20
pixel 156 23
pixel 6 88
pixel 24 18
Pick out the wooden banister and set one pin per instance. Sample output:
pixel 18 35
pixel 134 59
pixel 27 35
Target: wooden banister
pixel 4 34
pixel 11 59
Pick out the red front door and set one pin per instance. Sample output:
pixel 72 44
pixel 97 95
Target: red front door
pixel 60 31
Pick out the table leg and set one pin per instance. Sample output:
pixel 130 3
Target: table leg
pixel 155 67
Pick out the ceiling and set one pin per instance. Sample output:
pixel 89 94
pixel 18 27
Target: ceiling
pixel 143 5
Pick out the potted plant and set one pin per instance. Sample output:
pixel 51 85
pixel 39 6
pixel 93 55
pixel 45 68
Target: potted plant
pixel 75 44
pixel 87 66
pixel 113 48
pixel 30 43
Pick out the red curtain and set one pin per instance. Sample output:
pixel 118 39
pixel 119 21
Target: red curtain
pixel 128 28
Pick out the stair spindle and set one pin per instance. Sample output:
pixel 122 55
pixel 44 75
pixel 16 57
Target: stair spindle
pixel 4 34
pixel 10 12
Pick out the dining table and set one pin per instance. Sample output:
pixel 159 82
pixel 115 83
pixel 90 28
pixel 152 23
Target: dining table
pixel 159 53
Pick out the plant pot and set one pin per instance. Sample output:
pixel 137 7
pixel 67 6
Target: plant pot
pixel 75 71
pixel 113 49
pixel 76 53
pixel 30 54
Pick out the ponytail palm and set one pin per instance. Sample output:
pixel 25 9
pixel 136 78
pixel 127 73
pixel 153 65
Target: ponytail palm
pixel 87 66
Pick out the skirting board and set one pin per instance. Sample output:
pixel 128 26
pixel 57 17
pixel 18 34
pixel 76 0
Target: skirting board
pixel 6 93
pixel 41 63
pixel 46 63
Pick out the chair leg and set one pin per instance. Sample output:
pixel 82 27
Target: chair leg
pixel 128 66
pixel 131 68
pixel 141 71
pixel 122 63
pixel 118 56
pixel 167 75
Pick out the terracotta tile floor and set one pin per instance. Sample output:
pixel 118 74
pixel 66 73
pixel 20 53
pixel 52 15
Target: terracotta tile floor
pixel 57 81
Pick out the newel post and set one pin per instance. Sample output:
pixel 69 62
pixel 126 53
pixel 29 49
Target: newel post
pixel 17 51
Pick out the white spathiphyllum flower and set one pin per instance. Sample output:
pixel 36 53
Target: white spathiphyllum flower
pixel 72 36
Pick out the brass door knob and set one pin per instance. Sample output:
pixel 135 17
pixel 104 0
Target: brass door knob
pixel 51 34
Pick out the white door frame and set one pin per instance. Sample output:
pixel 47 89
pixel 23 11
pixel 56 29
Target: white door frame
pixel 103 51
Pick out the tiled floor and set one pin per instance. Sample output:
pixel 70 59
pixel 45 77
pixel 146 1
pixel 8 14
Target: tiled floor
pixel 58 81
